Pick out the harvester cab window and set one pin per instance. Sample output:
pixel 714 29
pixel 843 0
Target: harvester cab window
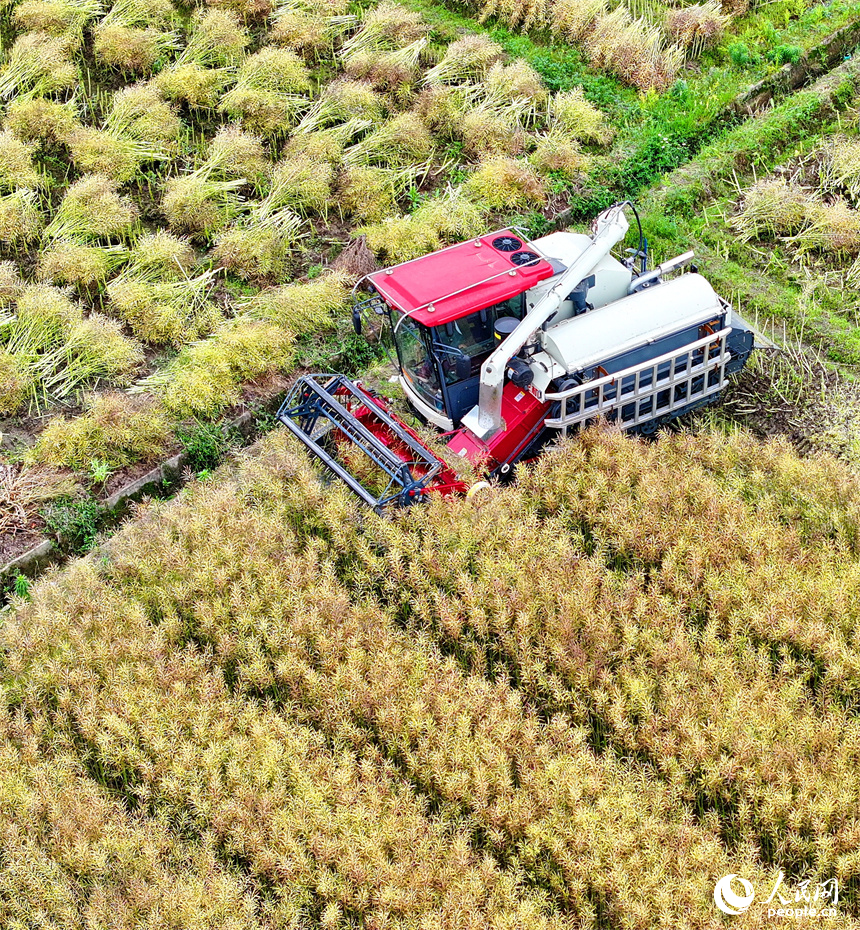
pixel 473 337
pixel 416 361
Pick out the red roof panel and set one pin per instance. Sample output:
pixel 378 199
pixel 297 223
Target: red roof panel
pixel 458 280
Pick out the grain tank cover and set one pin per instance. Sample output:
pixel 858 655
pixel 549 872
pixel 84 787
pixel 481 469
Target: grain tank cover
pixel 453 282
pixel 637 320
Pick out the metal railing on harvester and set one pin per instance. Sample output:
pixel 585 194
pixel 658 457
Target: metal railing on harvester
pixel 649 392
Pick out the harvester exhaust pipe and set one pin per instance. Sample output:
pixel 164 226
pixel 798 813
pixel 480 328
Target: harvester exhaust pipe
pixel 678 262
pixel 485 419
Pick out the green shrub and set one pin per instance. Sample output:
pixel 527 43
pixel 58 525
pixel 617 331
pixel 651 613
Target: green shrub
pixel 74 522
pixel 205 444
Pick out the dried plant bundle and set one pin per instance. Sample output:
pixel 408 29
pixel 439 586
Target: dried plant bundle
pixel 504 183
pixel 571 113
pixel 115 428
pixel 466 59
pixel 261 246
pixel 92 208
pixel 38 64
pixel 164 311
pixel 400 142
pixel 772 207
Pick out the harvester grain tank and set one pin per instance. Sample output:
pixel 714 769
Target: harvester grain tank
pixel 505 343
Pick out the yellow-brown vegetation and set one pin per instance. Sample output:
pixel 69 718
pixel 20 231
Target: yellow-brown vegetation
pixel 580 698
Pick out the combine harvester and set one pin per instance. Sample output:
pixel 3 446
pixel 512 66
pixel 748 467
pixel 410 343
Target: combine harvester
pixel 504 344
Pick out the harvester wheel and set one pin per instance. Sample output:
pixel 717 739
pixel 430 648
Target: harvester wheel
pixel 652 427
